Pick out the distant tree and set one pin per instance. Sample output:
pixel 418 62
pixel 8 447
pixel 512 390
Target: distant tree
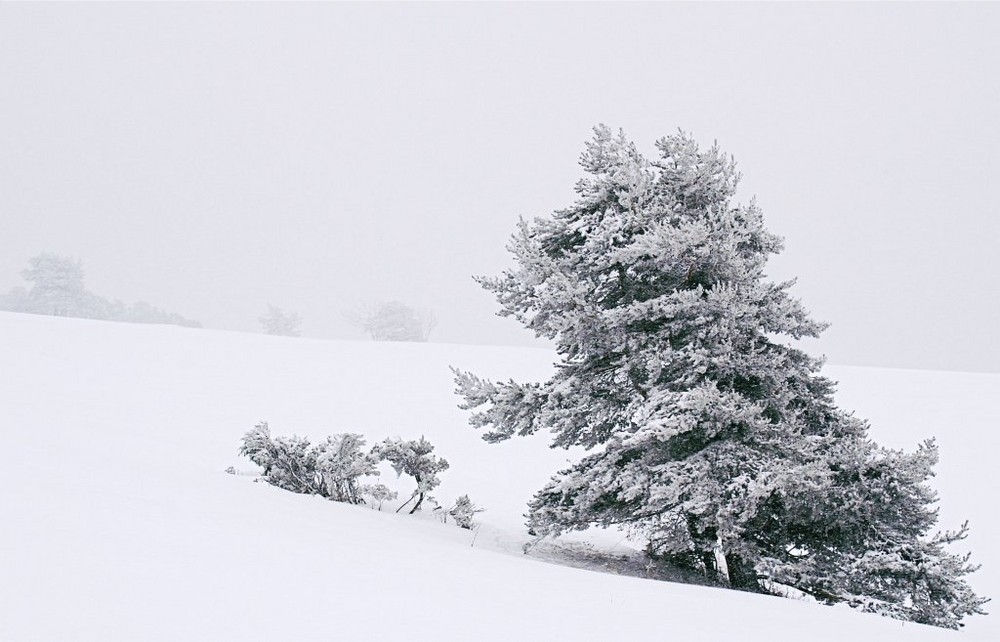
pixel 709 434
pixel 394 321
pixel 56 285
pixel 57 288
pixel 415 459
pixel 278 322
pixel 142 312
pixel 15 301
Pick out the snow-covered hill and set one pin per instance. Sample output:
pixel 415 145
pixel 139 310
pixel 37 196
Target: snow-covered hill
pixel 117 521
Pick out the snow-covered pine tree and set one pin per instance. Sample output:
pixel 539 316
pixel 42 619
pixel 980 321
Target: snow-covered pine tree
pixel 710 437
pixel 853 528
pixel 57 284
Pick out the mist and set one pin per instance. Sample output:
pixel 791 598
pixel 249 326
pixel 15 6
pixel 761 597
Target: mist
pixel 214 158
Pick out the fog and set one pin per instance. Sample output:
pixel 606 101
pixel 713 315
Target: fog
pixel 213 158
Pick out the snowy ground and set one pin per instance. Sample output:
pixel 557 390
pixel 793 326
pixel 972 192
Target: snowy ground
pixel 118 522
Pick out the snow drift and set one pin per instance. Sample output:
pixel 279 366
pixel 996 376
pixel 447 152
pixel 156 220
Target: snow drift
pixel 119 522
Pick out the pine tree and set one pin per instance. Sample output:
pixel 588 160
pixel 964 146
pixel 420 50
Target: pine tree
pixel 57 285
pixel 710 436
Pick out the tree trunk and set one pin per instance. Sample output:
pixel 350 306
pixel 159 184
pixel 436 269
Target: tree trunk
pixel 420 501
pixel 708 561
pixel 709 550
pixel 742 575
pixel 406 502
pixel 721 564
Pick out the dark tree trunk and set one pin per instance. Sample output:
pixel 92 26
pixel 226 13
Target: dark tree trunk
pixel 742 575
pixel 704 546
pixel 420 501
pixel 711 568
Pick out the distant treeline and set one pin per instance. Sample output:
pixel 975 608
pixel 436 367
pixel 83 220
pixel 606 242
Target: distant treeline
pixel 56 288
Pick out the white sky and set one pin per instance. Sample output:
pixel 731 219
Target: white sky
pixel 212 158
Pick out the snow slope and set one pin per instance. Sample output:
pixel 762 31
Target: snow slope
pixel 118 522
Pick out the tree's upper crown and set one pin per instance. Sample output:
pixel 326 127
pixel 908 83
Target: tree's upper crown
pixel 647 243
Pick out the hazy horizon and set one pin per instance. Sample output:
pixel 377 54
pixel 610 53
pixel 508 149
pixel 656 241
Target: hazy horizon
pixel 213 158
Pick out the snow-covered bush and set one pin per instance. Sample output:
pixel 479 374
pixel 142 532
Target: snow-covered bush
pixel 709 435
pixel 415 459
pixel 287 462
pixel 463 512
pixel 338 466
pixel 332 468
pixel 341 461
pixel 378 494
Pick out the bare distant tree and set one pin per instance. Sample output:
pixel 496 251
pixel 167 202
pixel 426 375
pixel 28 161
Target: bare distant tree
pixel 393 321
pixel 277 321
